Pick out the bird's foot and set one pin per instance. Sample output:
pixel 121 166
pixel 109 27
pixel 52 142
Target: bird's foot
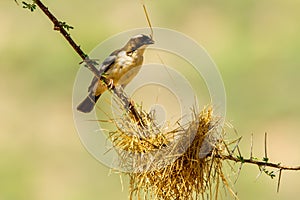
pixel 110 85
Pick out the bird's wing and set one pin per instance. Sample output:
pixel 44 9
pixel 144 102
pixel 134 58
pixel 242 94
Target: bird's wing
pixel 109 61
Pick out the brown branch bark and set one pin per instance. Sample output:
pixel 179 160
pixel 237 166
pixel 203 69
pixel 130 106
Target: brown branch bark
pixel 89 64
pixel 260 163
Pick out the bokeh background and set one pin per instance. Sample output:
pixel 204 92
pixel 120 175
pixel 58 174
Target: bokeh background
pixel 254 43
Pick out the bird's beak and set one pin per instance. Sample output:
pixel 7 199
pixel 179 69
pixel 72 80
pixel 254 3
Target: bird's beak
pixel 151 41
pixel 148 41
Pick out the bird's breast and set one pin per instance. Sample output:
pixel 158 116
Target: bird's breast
pixel 123 59
pixel 125 68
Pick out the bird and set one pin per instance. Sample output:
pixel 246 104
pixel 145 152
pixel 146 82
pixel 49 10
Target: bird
pixel 120 67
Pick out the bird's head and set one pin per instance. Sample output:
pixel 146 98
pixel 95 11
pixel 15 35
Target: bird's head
pixel 138 41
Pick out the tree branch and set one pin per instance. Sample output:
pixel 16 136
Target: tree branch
pixel 259 163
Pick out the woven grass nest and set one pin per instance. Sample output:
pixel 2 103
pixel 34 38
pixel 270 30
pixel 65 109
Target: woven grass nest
pixel 184 163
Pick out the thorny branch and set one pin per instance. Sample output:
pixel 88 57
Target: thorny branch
pixel 58 26
pixel 262 164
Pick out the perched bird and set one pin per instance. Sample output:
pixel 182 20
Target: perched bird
pixel 120 67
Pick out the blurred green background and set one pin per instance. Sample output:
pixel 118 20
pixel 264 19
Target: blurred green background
pixel 254 43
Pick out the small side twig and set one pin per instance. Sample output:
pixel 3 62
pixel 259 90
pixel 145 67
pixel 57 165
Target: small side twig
pixel 236 146
pixel 251 147
pixel 266 152
pixel 279 179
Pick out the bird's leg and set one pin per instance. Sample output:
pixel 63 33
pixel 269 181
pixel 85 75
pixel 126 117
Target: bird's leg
pixel 110 85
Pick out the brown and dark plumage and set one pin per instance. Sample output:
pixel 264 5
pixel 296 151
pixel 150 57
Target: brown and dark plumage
pixel 120 67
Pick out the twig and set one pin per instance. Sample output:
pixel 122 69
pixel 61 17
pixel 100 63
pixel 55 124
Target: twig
pixel 58 26
pixel 251 147
pixel 259 163
pixel 266 154
pixel 238 173
pixel 279 179
pixel 236 146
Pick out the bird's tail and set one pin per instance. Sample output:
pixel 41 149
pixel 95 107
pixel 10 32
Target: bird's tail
pixel 88 103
